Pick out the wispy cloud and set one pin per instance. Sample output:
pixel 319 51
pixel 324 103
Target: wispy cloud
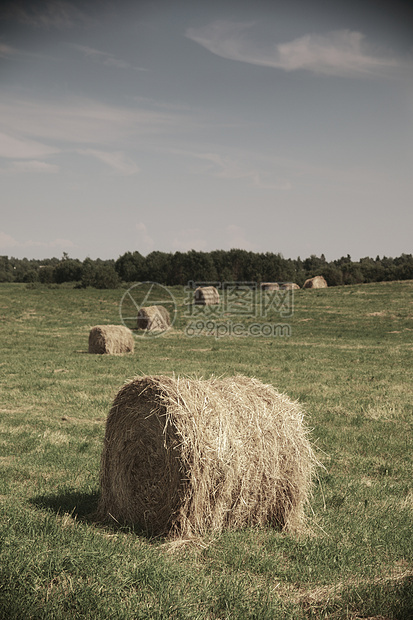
pixel 49 14
pixel 227 168
pixel 6 50
pixel 118 161
pixel 231 168
pixel 341 53
pixel 236 238
pixel 31 165
pixel 79 120
pixel 106 58
pixel 12 147
pixel 188 239
pixel 164 105
pixel 7 242
pixel 145 243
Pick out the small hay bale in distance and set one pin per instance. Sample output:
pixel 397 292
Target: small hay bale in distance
pixel 153 318
pixel 316 282
pixel 182 456
pixel 289 286
pixel 206 296
pixel 270 286
pixel 111 339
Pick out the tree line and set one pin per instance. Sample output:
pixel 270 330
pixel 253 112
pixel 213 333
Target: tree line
pixel 179 268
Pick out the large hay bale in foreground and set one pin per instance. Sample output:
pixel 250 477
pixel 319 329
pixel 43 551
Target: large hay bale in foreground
pixel 111 339
pixel 185 456
pixel 316 282
pixel 153 318
pixel 206 296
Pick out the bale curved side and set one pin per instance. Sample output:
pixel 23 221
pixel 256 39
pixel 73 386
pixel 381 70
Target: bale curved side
pixel 111 339
pixel 316 282
pixel 184 456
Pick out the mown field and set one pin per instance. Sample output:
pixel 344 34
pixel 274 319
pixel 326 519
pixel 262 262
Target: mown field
pixel 349 362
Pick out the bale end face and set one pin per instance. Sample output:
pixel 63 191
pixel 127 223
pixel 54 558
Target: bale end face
pixel 206 296
pixel 185 456
pixel 153 318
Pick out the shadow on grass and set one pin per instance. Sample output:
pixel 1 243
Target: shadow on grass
pixel 83 507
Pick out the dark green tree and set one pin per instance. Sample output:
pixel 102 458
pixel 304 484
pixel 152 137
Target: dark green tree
pixel 6 270
pixel 130 267
pixel 157 267
pixel 68 270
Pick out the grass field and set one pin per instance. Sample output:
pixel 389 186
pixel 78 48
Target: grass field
pixel 349 362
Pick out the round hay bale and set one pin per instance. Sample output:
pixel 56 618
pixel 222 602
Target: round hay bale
pixel 154 318
pixel 111 339
pixel 206 296
pixel 270 286
pixel 316 282
pixel 289 286
pixel 185 456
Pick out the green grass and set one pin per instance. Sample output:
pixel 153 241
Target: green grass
pixel 348 360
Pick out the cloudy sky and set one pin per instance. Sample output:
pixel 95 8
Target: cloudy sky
pixel 268 125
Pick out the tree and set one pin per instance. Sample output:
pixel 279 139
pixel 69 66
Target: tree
pixel 157 267
pixel 68 270
pixel 99 274
pixel 6 270
pixel 130 267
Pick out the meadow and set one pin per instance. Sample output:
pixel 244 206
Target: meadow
pixel 348 360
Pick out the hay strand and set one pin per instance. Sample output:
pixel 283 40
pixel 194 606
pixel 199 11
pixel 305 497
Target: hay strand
pixel 185 456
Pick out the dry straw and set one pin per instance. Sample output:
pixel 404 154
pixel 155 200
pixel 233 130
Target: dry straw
pixel 185 456
pixel 206 296
pixel 111 339
pixel 270 286
pixel 154 318
pixel 316 282
pixel 289 286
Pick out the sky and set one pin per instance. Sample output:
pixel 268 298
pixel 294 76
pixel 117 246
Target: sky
pixel 269 126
